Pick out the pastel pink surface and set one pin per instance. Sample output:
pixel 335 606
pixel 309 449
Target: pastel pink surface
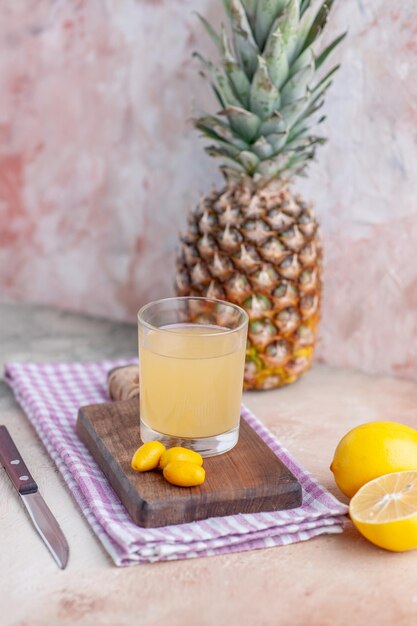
pixel 99 164
pixel 332 581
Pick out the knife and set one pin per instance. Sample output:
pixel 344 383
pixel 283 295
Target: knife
pixel 40 514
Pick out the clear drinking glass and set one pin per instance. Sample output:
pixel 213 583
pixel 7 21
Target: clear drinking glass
pixel 191 363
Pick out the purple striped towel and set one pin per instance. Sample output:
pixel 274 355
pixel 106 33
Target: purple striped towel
pixel 51 394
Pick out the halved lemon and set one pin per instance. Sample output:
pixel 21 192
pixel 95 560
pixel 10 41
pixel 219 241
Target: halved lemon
pixel 385 511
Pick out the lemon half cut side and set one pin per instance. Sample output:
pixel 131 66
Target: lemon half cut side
pixel 385 511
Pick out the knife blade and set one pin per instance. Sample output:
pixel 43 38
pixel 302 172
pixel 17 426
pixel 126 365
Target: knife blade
pixel 39 512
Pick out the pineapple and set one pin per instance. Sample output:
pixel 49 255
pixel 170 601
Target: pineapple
pixel 255 242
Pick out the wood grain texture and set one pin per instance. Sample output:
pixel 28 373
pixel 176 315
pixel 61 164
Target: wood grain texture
pixel 250 478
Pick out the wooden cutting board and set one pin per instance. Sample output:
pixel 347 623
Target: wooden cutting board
pixel 248 479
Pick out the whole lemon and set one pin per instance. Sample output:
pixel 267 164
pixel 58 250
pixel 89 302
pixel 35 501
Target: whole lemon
pixel 371 450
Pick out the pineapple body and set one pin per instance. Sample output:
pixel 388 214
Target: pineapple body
pixel 260 249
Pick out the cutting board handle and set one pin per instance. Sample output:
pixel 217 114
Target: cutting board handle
pixel 14 464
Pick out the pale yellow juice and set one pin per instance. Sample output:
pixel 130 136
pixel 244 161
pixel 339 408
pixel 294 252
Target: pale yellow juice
pixel 191 379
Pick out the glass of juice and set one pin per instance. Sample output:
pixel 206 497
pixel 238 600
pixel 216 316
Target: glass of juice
pixel 191 363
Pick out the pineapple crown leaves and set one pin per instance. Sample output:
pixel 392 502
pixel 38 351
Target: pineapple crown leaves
pixel 269 86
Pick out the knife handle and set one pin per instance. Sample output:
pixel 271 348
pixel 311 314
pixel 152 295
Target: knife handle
pixel 14 464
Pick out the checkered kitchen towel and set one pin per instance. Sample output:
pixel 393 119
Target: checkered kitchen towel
pixel 51 394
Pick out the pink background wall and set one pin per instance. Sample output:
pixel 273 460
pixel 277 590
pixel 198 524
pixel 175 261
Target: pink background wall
pixel 99 163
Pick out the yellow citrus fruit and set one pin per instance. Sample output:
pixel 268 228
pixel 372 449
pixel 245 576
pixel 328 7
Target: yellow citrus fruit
pixel 184 474
pixel 372 450
pixel 147 457
pixel 385 511
pixel 179 453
